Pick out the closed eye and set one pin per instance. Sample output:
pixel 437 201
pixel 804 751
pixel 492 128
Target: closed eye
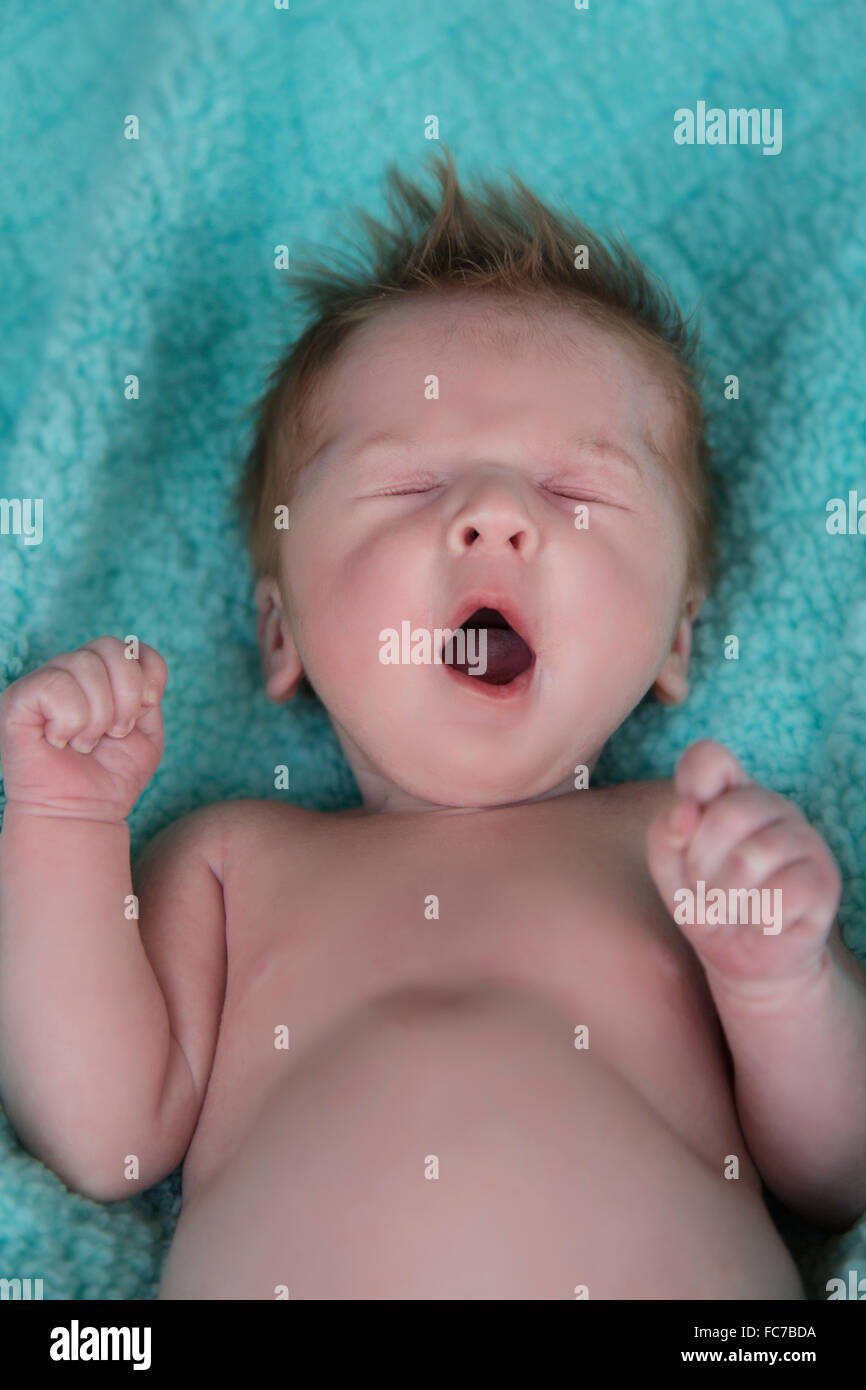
pixel 574 496
pixel 404 491
pixel 410 489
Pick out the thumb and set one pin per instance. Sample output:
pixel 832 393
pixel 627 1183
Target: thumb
pixel 667 841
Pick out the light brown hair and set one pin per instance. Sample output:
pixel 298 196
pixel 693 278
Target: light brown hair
pixel 491 240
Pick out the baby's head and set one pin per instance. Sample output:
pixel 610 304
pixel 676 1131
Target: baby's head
pixel 489 417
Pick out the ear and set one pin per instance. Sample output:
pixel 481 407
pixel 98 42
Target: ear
pixel 671 684
pixel 281 664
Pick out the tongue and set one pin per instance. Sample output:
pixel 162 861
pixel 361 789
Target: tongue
pixel 507 654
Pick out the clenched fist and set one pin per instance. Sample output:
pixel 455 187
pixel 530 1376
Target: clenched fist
pixel 725 837
pixel 82 735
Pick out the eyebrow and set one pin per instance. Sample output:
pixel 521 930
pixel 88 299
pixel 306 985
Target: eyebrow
pixel 384 440
pixel 605 447
pixel 375 442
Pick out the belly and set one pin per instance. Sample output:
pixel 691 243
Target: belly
pixel 457 1146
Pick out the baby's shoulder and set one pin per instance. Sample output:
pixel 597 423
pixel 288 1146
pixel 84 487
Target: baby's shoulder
pixel 236 820
pixel 230 830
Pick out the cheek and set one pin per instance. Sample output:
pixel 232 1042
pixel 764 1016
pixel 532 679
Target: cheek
pixel 389 574
pixel 628 588
pixel 350 597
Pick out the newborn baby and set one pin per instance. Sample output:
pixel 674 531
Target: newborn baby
pixel 466 1041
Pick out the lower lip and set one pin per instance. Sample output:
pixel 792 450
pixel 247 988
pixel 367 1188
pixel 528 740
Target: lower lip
pixel 512 691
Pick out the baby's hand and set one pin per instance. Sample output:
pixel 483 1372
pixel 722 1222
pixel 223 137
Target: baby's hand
pixel 82 735
pixel 734 834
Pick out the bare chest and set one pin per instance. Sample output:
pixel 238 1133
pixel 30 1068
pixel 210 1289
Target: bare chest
pixel 326 916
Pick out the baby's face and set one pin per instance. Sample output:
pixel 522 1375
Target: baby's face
pixel 471 504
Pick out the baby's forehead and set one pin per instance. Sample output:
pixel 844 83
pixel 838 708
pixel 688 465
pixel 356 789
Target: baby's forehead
pixel 569 371
pixel 489 319
pixel 446 336
pixel 430 330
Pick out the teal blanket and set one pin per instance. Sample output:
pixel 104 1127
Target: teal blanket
pixel 153 257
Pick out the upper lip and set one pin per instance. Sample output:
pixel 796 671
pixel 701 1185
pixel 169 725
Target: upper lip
pixel 489 598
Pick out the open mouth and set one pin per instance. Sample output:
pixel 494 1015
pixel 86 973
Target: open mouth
pixel 490 637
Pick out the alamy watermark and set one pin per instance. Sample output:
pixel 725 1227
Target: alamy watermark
pixel 847 521
pixel 11 508
pixel 423 646
pixel 77 1343
pixel 23 1289
pixel 726 907
pixel 736 126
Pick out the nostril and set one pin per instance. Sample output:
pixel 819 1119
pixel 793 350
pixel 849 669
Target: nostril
pixel 470 536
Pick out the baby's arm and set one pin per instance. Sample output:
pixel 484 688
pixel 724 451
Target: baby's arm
pixel 89 1069
pixel 800 1086
pixel 791 998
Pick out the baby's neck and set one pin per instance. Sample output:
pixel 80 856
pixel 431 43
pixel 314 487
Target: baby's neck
pixel 398 803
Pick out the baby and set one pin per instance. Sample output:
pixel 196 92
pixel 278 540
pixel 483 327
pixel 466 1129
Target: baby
pixel 495 1033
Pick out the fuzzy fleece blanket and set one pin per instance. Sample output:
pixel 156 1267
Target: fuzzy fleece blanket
pixel 258 126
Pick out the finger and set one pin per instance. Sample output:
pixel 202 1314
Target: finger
pixel 730 821
pixel 133 680
pixel 763 855
pixel 666 846
pixel 805 897
pixel 81 724
pixel 46 703
pixel 127 682
pixel 155 672
pixel 707 769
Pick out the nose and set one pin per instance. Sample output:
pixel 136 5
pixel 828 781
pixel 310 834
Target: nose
pixel 494 518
